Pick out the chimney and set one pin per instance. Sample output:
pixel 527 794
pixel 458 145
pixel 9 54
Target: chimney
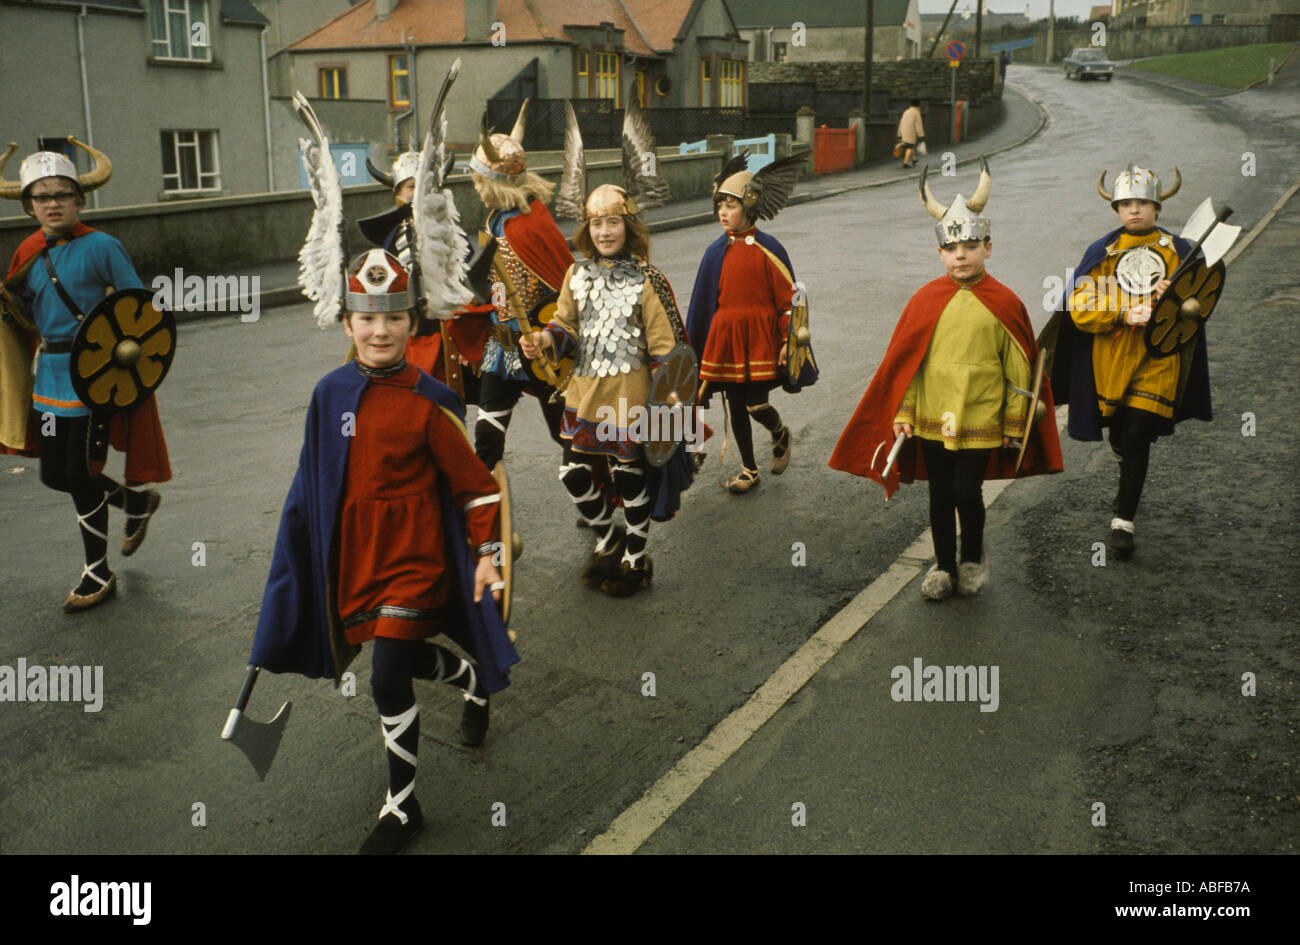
pixel 385 8
pixel 479 17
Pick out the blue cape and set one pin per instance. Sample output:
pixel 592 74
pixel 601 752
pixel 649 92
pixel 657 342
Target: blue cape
pixel 704 302
pixel 294 627
pixel 1073 381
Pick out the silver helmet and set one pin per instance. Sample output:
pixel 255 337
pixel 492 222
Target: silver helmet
pixel 1137 183
pixel 961 220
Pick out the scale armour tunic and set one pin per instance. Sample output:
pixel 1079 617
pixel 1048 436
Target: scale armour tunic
pixel 393 572
pixel 750 324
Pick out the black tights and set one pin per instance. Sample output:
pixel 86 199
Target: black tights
pixel 745 400
pixel 394 664
pixel 595 507
pixel 1131 434
pixel 497 400
pixel 956 484
pixel 66 456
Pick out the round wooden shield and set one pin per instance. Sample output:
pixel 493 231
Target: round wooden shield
pixel 1183 308
pixel 672 392
pixel 122 351
pixel 547 369
pixel 798 341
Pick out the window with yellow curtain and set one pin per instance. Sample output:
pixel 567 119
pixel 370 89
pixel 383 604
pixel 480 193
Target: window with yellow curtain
pixel 582 91
pixel 399 86
pixel 733 83
pixel 607 76
pixel 334 83
pixel 706 83
pixel 638 86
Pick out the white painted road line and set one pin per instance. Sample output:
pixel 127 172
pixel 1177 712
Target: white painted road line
pixel 638 823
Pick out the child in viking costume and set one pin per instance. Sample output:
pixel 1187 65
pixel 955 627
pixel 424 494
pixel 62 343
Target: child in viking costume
pixel 1102 367
pixel 440 347
pixel 391 525
pixel 741 308
pixel 529 258
pixel 617 316
pixel 56 278
pixel 954 383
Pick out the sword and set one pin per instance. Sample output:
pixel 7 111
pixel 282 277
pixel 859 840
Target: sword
pixel 892 458
pixel 258 740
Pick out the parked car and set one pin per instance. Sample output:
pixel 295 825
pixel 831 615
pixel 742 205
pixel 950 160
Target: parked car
pixel 1089 63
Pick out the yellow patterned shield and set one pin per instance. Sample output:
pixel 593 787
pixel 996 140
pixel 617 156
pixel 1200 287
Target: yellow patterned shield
pixel 1183 308
pixel 122 350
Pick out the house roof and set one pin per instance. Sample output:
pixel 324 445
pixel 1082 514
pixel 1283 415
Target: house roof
pixel 232 11
pixel 649 26
pixel 752 14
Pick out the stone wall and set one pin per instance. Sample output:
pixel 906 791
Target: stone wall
pixel 926 79
pixel 1140 42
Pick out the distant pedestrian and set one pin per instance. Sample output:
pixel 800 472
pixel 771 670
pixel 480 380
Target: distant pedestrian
pixel 1004 60
pixel 911 133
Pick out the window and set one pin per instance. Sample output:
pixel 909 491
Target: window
pixel 189 162
pixel 399 85
pixel 638 87
pixel 1217 19
pixel 778 52
pixel 180 29
pixel 607 76
pixel 583 73
pixel 1194 19
pixel 334 82
pixel 706 83
pixel 733 82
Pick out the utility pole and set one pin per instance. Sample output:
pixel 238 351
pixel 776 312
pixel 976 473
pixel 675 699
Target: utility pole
pixel 867 53
pixel 979 25
pixel 1051 30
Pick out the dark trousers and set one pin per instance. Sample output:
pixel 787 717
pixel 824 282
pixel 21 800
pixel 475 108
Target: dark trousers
pixel 742 400
pixel 1131 433
pixel 956 486
pixel 496 403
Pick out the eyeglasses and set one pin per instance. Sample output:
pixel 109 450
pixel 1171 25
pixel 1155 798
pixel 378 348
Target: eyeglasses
pixel 65 196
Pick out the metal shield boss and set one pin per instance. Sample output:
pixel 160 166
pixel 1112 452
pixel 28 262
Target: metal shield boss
pixel 1183 308
pixel 672 392
pixel 798 340
pixel 512 546
pixel 122 351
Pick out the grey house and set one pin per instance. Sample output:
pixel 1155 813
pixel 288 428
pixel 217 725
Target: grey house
pixel 827 30
pixel 173 93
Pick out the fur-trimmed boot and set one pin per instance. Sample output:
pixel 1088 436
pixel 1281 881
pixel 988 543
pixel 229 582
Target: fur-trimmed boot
pixel 972 575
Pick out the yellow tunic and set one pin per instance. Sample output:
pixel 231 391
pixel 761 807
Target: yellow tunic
pixel 587 395
pixel 962 395
pixel 1122 369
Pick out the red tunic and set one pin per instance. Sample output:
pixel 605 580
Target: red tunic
pixel 749 325
pixel 392 552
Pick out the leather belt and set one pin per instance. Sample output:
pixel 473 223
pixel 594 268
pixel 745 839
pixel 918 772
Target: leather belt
pixel 56 347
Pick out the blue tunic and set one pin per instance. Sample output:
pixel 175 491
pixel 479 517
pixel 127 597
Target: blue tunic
pixel 87 266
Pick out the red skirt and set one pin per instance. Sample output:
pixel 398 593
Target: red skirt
pixel 743 345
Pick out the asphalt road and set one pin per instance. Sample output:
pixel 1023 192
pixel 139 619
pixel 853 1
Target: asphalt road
pixel 574 741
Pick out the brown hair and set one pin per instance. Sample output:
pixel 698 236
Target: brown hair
pixel 637 242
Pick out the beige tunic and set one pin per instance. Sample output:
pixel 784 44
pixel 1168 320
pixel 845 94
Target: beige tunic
pixel 587 395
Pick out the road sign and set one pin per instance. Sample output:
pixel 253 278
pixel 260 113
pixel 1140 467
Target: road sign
pixel 956 49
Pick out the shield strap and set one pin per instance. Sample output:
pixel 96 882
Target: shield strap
pixel 77 313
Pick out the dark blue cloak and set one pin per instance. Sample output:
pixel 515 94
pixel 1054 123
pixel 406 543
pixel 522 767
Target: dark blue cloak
pixel 1073 381
pixel 704 303
pixel 294 627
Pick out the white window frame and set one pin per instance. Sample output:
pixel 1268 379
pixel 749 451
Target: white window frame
pixel 161 13
pixel 209 179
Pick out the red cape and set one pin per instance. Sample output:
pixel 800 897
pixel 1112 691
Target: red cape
pixel 873 421
pixel 539 244
pixel 138 433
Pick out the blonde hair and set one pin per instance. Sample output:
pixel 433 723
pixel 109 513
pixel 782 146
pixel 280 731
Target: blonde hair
pixel 517 196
